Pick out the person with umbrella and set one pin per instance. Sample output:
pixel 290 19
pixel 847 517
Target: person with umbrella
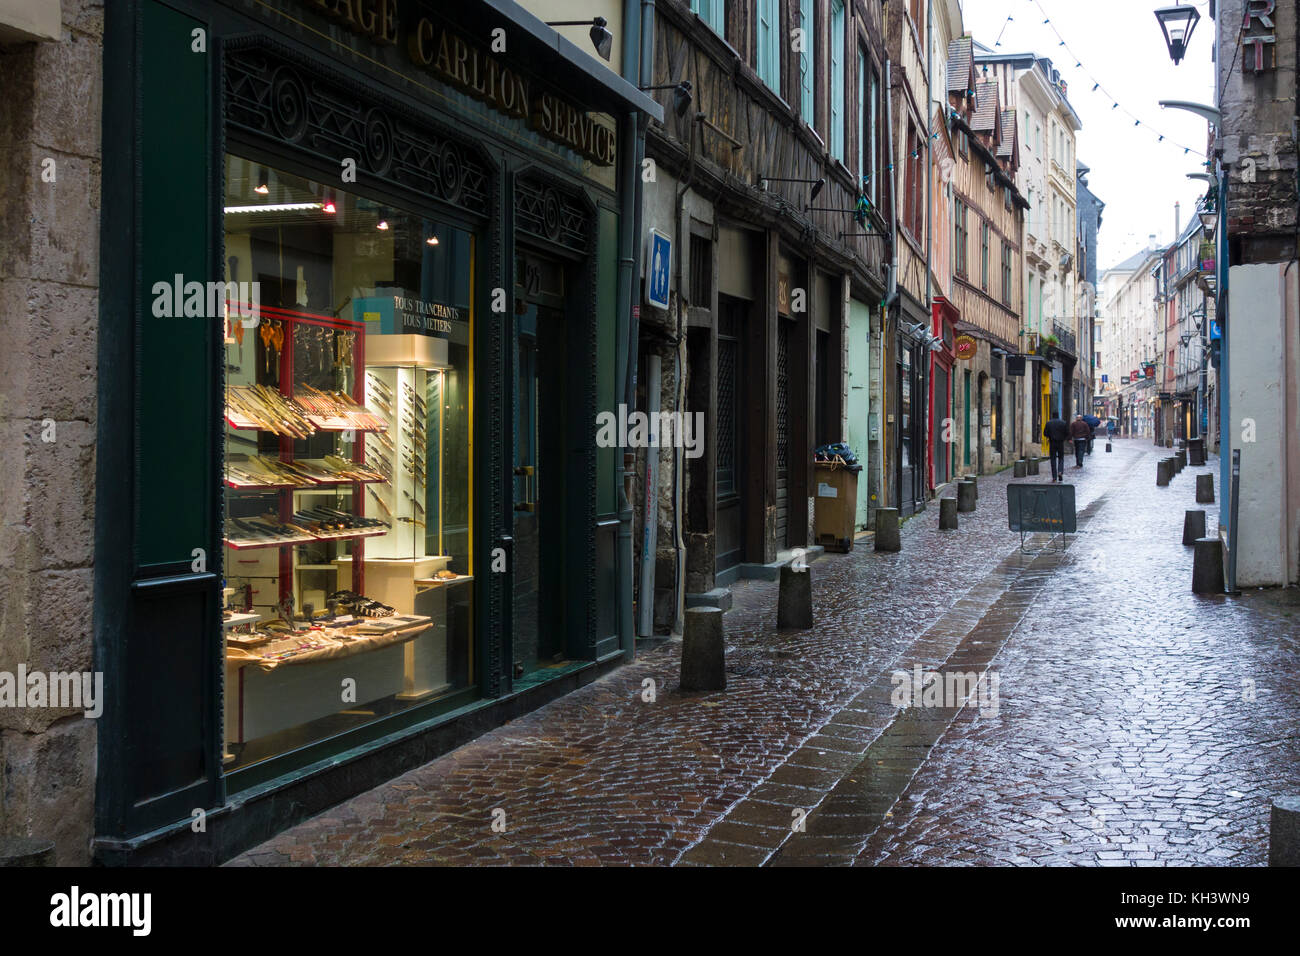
pixel 1093 422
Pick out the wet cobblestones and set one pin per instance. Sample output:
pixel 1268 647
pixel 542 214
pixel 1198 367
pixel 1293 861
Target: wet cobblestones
pixel 1074 767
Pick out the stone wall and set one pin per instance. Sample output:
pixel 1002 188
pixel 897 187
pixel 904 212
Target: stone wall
pixel 49 275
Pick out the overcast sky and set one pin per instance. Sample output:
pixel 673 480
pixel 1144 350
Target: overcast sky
pixel 1120 44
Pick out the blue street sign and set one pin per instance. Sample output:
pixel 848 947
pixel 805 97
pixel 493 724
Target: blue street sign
pixel 1216 330
pixel 660 262
pixel 1105 379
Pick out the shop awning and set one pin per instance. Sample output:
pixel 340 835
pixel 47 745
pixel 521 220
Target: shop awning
pixel 608 91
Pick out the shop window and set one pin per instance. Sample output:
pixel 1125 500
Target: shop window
pixel 348 538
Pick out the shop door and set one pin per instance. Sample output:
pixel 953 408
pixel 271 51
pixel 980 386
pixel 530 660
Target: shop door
pixel 940 416
pixel 729 447
pixel 783 327
pixel 537 471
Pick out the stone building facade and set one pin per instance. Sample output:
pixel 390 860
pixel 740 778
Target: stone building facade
pixel 49 279
pixel 1255 165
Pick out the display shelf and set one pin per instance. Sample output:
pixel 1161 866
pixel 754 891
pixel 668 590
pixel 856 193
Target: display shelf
pixel 238 620
pixel 250 544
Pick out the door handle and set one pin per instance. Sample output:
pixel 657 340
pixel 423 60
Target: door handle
pixel 529 504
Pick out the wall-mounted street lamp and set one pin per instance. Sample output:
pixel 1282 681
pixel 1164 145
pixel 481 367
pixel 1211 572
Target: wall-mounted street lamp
pixel 681 95
pixel 817 184
pixel 1177 23
pixel 601 38
pixel 1210 220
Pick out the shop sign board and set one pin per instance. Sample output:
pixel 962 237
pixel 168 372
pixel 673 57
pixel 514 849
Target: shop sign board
pixel 965 347
pixel 1041 507
pixel 474 69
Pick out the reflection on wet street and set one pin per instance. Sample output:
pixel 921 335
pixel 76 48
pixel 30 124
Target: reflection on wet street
pixel 1118 719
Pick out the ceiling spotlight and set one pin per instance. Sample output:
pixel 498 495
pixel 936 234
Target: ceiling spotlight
pixel 682 95
pixel 817 184
pixel 601 38
pixel 383 224
pixel 432 240
pixel 262 189
pixel 329 207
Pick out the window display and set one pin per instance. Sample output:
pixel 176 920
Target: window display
pixel 348 592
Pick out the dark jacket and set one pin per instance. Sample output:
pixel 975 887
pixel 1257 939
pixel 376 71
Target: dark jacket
pixel 1079 429
pixel 1056 430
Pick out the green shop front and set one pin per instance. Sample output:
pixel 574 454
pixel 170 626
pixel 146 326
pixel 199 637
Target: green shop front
pixel 358 315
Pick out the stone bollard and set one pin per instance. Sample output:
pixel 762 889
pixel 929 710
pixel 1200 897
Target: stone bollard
pixel 965 495
pixel 887 535
pixel 794 602
pixel 975 485
pixel 1020 469
pixel 26 851
pixel 1180 460
pixel 1164 471
pixel 1284 832
pixel 703 666
pixel 1205 489
pixel 1193 526
pixel 1034 463
pixel 947 514
pixel 1108 446
pixel 1169 443
pixel 1207 566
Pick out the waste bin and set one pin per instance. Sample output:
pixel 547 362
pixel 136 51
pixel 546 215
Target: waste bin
pixel 1196 451
pixel 836 490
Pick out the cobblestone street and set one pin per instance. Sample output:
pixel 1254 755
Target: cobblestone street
pixel 1134 723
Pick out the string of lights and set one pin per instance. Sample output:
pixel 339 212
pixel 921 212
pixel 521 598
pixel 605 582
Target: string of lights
pixel 1098 88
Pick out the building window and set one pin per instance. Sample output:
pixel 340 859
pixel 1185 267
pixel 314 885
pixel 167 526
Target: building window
pixel 863 115
pixel 959 238
pixel 984 256
pixel 1006 273
pixel 1029 305
pixel 837 80
pixel 915 186
pixel 807 59
pixel 768 44
pixel 714 13
pixel 872 123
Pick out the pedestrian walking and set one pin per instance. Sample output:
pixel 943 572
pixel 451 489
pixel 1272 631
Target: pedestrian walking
pixel 1057 433
pixel 1079 432
pixel 1110 429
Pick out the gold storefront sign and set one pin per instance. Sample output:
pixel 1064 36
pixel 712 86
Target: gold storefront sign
pixel 473 69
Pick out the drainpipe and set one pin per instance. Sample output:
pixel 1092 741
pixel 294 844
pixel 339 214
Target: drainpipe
pixel 927 361
pixel 891 294
pixel 625 343
pixel 679 540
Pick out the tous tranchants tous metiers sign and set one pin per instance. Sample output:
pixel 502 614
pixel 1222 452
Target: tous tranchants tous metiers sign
pixel 474 69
